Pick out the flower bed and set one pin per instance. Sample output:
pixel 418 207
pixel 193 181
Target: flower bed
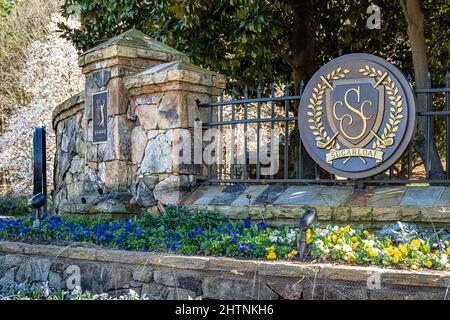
pixel 207 233
pixel 362 247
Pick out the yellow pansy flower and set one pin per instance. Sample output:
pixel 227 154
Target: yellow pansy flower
pixel 350 257
pixel 403 249
pixel 339 241
pixel 354 239
pixel 293 253
pixel 372 252
pixel 308 236
pixel 366 233
pixel 347 229
pixel 448 250
pixel 334 238
pixel 271 255
pixel 428 264
pixel 416 243
pixel 395 258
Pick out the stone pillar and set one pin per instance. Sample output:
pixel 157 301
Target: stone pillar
pixel 165 100
pixel 153 94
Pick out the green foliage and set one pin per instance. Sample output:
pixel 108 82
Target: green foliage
pixel 258 40
pixel 14 206
pixel 206 233
pixel 176 230
pixel 233 38
pixel 362 247
pixel 175 216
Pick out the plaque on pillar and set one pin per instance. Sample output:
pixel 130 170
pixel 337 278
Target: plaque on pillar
pixel 100 117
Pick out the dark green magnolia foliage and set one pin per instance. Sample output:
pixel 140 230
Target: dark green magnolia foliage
pixel 254 40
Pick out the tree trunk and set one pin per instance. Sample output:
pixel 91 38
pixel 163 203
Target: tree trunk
pixel 416 34
pixel 303 67
pixel 303 43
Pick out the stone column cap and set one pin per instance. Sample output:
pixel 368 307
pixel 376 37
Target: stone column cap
pixel 131 44
pixel 180 71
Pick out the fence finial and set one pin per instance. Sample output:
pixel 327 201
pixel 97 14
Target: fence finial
pixel 302 87
pixel 428 80
pixel 409 77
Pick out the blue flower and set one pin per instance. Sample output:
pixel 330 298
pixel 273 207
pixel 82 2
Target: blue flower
pixel 234 240
pixel 191 234
pixel 24 230
pixel 247 223
pixel 243 246
pixel 229 226
pixel 261 226
pixel 176 236
pixel 175 246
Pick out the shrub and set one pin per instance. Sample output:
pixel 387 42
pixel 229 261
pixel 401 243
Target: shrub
pixel 14 206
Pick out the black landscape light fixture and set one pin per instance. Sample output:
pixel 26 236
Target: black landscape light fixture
pixel 308 218
pixel 39 200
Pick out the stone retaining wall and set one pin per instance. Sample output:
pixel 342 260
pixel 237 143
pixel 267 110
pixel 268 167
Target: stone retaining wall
pixel 163 276
pixel 374 206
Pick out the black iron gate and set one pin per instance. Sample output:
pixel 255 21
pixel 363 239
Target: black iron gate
pixel 240 122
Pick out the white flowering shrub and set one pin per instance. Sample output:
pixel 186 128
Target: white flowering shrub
pixel 51 75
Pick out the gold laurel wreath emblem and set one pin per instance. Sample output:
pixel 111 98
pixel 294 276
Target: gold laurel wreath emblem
pixel 396 102
pixel 323 140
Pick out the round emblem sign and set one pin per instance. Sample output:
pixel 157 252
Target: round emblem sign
pixel 357 115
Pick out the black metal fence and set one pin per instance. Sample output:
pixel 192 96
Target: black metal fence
pixel 245 154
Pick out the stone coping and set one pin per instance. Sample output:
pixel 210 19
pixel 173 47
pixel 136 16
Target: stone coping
pixel 424 204
pixel 131 44
pixel 175 71
pixel 76 100
pixel 419 278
